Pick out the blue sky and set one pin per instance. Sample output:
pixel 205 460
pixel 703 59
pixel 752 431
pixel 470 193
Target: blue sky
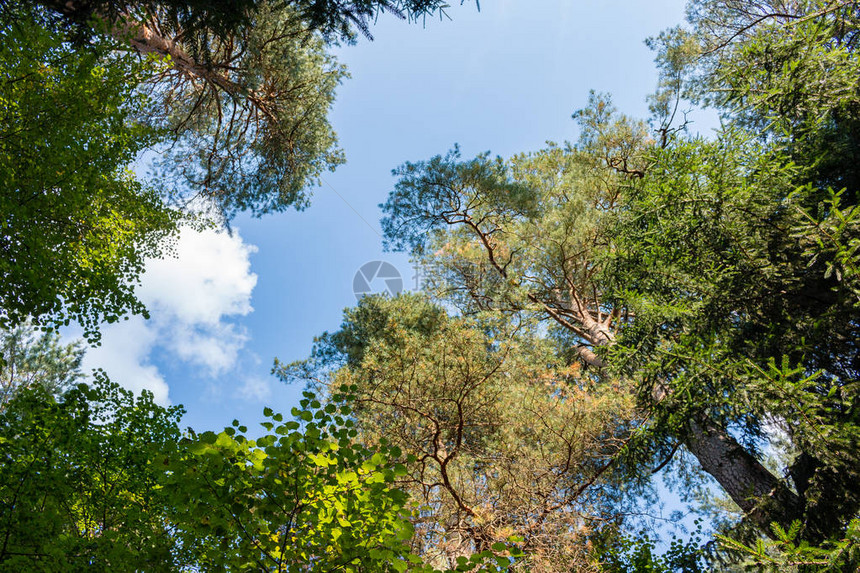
pixel 505 79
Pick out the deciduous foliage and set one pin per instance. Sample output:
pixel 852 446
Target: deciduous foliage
pixel 304 494
pixel 97 479
pixel 626 553
pixel 76 224
pixel 81 487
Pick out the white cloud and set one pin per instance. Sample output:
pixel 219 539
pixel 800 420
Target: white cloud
pixel 124 353
pixel 191 298
pixel 210 277
pixel 255 388
pixel 212 346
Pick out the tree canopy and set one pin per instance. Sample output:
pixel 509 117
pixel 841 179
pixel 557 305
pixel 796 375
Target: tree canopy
pixel 98 479
pixel 244 94
pixel 29 359
pixel 641 301
pixel 227 100
pixel 495 434
pixel 716 277
pixel 77 225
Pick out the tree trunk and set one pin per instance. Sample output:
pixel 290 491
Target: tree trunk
pixel 763 497
pixel 760 494
pixel 145 39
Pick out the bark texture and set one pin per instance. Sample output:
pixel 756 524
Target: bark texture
pixel 760 494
